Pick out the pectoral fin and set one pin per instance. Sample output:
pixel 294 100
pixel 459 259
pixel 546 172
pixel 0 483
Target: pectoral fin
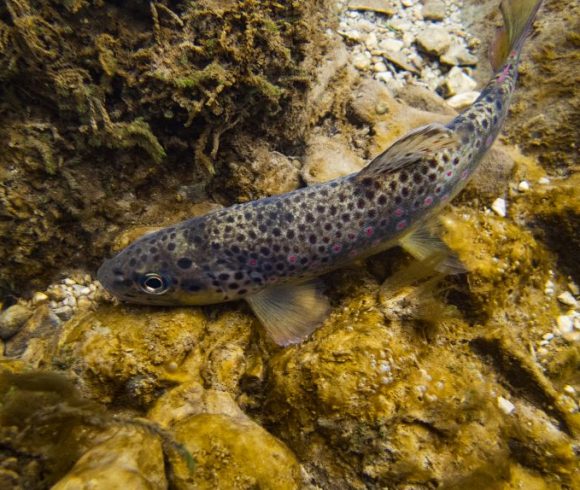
pixel 290 312
pixel 422 245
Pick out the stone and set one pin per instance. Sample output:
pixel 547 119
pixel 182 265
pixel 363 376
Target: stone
pixel 230 450
pixel 565 324
pixel 361 62
pixel 433 10
pixel 39 298
pixel 499 207
pixel 434 40
pixel 379 67
pixel 463 100
pixel 12 319
pixel 399 59
pixel 129 458
pixel 38 334
pixel 328 158
pixel 457 54
pixel 505 405
pixel 386 7
pixel 567 299
pixel 391 45
pixel 457 82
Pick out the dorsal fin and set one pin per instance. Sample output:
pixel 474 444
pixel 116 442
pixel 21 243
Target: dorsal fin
pixel 411 148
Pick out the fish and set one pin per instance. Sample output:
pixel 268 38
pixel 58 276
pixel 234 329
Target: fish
pixel 271 252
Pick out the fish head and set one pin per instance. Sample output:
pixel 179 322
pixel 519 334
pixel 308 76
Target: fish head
pixel 157 271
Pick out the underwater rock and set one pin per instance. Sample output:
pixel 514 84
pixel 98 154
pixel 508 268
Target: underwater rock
pixel 233 452
pixel 462 101
pixel 129 352
pixel 433 10
pixel 36 341
pixel 457 82
pixel 12 319
pixel 458 54
pixel 386 7
pixel 127 458
pixel 269 173
pixel 329 158
pixel 434 40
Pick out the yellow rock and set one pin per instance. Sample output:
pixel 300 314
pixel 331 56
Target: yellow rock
pixel 233 453
pixel 129 459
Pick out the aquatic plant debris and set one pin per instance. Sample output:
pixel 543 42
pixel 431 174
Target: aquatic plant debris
pixel 268 251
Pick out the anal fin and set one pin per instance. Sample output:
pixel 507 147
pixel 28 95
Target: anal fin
pixel 423 245
pixel 290 312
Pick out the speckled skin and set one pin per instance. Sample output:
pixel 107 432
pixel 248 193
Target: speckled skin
pixel 235 252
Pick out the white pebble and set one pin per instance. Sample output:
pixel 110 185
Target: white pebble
pixel 499 207
pixel 39 298
pixel 68 281
pixel 505 405
pixel 543 180
pixel 549 287
pixel 380 67
pixel 566 298
pixel 70 301
pixel 548 336
pixel 565 324
pixel 523 186
pixel 361 62
pixel 570 390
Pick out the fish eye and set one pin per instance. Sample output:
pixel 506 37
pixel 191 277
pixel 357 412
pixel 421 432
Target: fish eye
pixel 153 283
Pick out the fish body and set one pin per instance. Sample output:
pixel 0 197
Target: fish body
pixel 267 251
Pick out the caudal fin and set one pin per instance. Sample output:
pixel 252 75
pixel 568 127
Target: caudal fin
pixel 518 16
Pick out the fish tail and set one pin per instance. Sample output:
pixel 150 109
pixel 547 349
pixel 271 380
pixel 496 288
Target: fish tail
pixel 518 16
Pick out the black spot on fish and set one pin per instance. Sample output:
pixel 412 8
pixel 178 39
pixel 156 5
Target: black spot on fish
pixel 242 291
pixel 276 247
pixel 263 228
pixel 398 199
pixel 224 276
pixel 290 234
pixel 240 238
pixel 280 266
pixel 312 239
pixel 310 217
pixel 367 181
pixel 214 245
pixel 171 246
pixel 405 191
pixel 333 210
pixel 303 260
pixel 233 285
pixel 252 234
pixel 485 124
pixel 345 217
pixel 382 200
pixel 235 249
pixel 417 178
pixel 370 195
pixel 432 177
pixel 228 229
pixel 164 237
pixel 321 248
pixel 498 104
pixel 403 176
pixel 276 232
pixel 301 227
pixel 328 226
pixel 184 263
pixel 393 185
pixel 172 236
pixel 264 250
pixel 320 208
pixel 289 217
pixel 372 213
pixel 230 219
pixel 456 161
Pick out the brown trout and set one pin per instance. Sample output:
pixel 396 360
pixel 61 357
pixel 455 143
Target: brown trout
pixel 269 251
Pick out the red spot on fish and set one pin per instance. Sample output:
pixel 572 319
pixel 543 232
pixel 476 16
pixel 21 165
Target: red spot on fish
pixel 428 201
pixel 489 140
pixel 438 190
pixel 337 247
pixel 399 212
pixel 369 231
pixel 445 197
pixel 449 173
pixel 292 259
pixel 252 262
pixel 401 224
pixel 464 174
pixel 503 75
